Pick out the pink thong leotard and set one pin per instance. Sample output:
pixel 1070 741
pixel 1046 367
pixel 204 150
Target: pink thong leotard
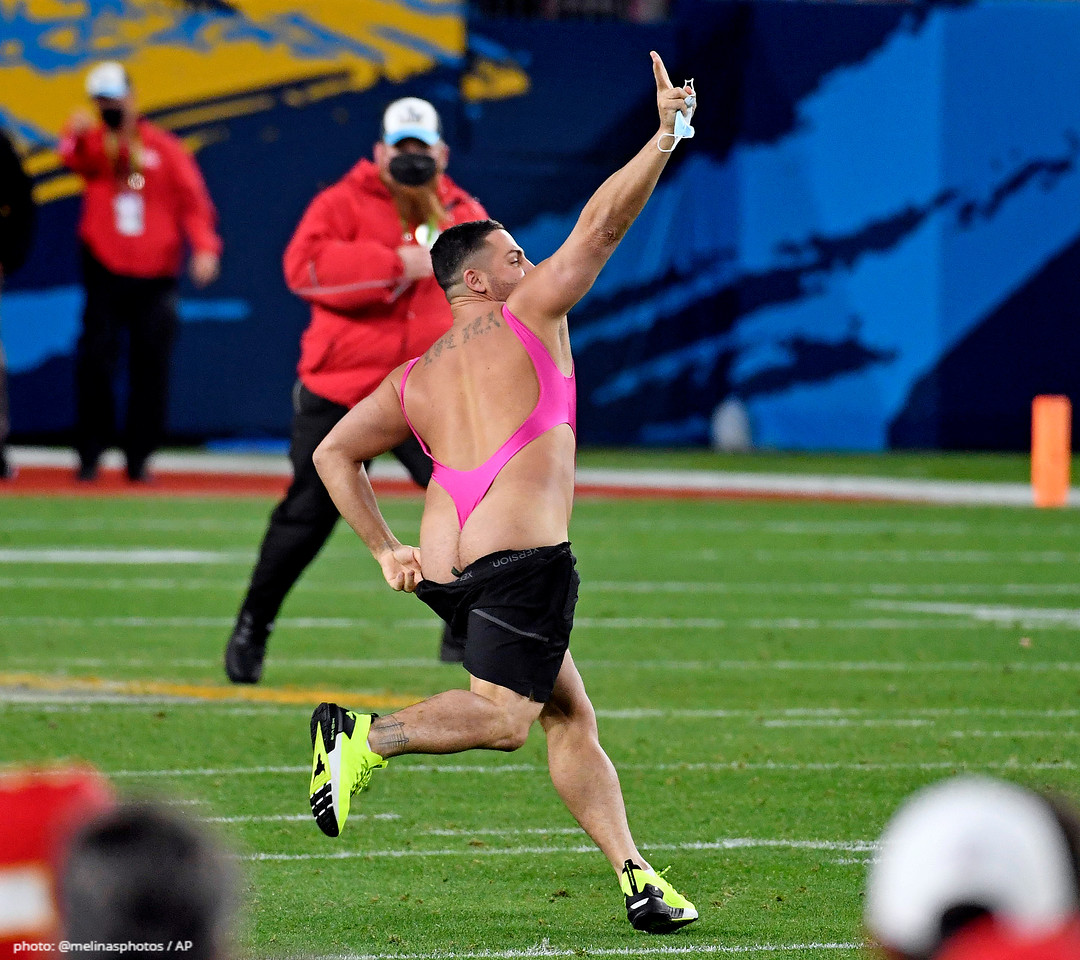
pixel 556 404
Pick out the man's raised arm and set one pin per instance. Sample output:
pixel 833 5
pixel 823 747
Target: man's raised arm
pixel 558 283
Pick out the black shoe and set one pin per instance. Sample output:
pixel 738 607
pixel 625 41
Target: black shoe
pixel 7 471
pixel 451 649
pixel 87 472
pixel 246 649
pixel 137 472
pixel 652 904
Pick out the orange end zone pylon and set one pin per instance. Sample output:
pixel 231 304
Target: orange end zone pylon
pixel 1051 428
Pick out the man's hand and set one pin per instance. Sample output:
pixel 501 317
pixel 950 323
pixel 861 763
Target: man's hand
pixel 80 121
pixel 401 567
pixel 204 268
pixel 669 100
pixel 417 261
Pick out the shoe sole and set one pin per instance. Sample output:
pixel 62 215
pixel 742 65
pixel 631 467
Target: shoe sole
pixel 650 914
pixel 323 805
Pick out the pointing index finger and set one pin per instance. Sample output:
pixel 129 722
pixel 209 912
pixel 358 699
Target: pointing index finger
pixel 663 82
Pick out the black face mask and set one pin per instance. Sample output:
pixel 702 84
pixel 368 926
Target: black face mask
pixel 412 169
pixel 112 117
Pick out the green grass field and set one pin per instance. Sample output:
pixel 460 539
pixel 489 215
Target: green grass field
pixel 771 680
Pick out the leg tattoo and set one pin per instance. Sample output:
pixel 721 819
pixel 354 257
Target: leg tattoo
pixel 387 733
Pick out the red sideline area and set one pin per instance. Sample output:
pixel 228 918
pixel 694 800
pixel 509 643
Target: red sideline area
pixel 39 481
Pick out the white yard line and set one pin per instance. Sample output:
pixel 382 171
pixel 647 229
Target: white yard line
pixel 49 701
pixel 1064 620
pixel 742 666
pixel 99 556
pixel 125 584
pixel 849 722
pixel 290 817
pixel 674 587
pixel 140 556
pixel 842 666
pixel 736 843
pixel 1007 554
pixel 255 525
pixel 293 623
pixel 767 588
pixel 87 703
pixel 734 766
pixel 1009 734
pixel 982 612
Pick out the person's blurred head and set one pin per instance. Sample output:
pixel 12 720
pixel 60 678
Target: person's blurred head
pixel 143 874
pixel 411 151
pixel 968 848
pixel 109 86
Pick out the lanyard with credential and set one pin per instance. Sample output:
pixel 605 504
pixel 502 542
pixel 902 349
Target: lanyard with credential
pixel 425 233
pixel 128 175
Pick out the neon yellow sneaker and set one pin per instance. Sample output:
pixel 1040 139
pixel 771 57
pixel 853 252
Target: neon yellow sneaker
pixel 653 904
pixel 342 764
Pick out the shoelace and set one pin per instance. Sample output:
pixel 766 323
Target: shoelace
pixel 665 885
pixel 361 780
pixel 660 876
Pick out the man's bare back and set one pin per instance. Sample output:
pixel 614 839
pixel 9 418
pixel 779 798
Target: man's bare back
pixel 466 397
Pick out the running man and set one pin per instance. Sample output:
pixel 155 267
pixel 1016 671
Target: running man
pixel 494 559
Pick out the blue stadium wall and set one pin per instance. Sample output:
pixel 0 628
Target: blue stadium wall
pixel 873 241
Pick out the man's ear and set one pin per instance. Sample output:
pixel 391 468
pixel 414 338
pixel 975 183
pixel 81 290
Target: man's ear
pixel 475 280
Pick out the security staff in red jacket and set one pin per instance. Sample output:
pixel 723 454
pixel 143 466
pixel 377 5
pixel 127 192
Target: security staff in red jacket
pixel 144 200
pixel 360 257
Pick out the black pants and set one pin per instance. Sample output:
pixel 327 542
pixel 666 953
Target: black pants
pixel 146 310
pixel 304 520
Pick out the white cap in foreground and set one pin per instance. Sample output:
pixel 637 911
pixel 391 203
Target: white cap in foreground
pixel 969 842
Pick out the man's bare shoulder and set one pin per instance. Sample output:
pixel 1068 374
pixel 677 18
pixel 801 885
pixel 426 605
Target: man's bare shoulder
pixel 531 300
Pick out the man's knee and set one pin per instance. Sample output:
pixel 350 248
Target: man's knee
pixel 512 720
pixel 513 731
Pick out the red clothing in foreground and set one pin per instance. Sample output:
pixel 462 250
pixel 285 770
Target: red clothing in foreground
pixel 988 940
pixel 165 196
pixel 342 260
pixel 40 810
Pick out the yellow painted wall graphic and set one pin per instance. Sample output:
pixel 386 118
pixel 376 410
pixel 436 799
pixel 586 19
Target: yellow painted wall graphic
pixel 193 66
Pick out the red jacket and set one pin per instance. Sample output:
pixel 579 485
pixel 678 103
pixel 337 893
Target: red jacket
pixel 342 259
pixel 174 201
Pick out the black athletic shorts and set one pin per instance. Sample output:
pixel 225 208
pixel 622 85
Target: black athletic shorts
pixel 514 611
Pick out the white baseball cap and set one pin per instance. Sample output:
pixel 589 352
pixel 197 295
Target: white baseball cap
pixel 969 841
pixel 411 117
pixel 108 80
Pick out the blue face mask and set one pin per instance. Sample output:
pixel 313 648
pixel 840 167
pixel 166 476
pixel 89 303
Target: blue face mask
pixel 683 130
